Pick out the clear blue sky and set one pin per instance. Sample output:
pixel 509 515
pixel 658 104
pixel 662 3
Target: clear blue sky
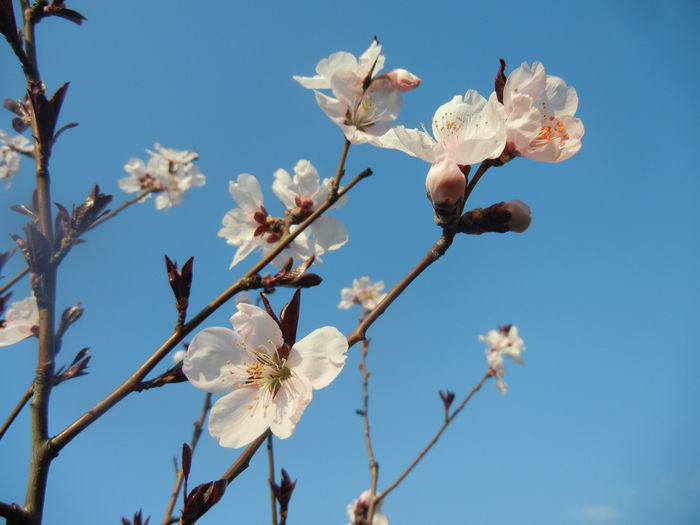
pixel 600 427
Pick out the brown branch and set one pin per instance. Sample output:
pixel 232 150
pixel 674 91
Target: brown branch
pixel 432 442
pixel 25 398
pixel 437 251
pixel 128 386
pixel 196 433
pixel 244 459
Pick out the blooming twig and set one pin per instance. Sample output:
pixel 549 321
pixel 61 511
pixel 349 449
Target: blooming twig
pixel 373 465
pixel 432 442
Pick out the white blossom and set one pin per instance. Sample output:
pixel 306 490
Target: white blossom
pixel 360 506
pixel 364 107
pixel 168 172
pixel 540 112
pixel 10 150
pixel 502 342
pixel 266 383
pixel 363 292
pixel 20 321
pixel 249 226
pixel 305 193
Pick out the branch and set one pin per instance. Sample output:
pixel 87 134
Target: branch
pixel 437 251
pixel 244 459
pixel 373 465
pixel 58 256
pixel 128 386
pixel 432 442
pixel 26 397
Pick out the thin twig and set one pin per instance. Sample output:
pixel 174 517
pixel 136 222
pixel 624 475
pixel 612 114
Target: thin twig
pixel 437 251
pixel 26 397
pixel 196 433
pixel 271 479
pixel 340 171
pixel 57 257
pixel 373 465
pixel 475 178
pixel 432 442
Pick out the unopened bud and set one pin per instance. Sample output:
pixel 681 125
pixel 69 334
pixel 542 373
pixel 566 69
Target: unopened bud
pixel 520 217
pixel 179 355
pixel 402 80
pixel 445 184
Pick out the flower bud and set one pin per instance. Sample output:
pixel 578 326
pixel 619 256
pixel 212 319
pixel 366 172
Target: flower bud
pixel 402 80
pixel 520 217
pixel 445 184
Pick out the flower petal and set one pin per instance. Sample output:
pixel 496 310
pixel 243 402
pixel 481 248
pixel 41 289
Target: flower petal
pixel 330 233
pixel 258 330
pixel 241 416
pixel 210 358
pixel 246 192
pixel 288 405
pixel 319 356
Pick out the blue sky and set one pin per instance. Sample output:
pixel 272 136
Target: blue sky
pixel 599 427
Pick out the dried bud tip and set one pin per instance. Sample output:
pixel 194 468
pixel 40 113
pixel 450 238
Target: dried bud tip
pixel 447 398
pixel 402 80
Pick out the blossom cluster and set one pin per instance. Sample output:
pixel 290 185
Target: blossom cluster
pixel 251 227
pixel 21 321
pixel 530 114
pixel 502 342
pixel 168 172
pixel 363 292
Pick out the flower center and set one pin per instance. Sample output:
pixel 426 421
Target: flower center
pixel 552 130
pixel 266 370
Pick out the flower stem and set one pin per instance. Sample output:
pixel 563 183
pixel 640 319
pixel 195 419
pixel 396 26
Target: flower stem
pixel 341 170
pixel 432 442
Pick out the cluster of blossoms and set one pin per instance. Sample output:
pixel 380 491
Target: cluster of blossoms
pixel 531 115
pixel 365 104
pixel 10 150
pixel 363 292
pixel 502 342
pixel 21 321
pixel 168 172
pixel 250 226
pixel 266 375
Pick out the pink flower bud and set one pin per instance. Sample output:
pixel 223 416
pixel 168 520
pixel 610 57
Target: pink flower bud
pixel 445 184
pixel 402 80
pixel 520 217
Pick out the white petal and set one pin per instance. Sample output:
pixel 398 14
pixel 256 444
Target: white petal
pixel 257 328
pixel 243 251
pixel 288 405
pixel 284 188
pixel 334 109
pixel 210 357
pixel 238 418
pixel 560 98
pixel 246 192
pixel 319 356
pixel 329 233
pixel 410 141
pixel 307 179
